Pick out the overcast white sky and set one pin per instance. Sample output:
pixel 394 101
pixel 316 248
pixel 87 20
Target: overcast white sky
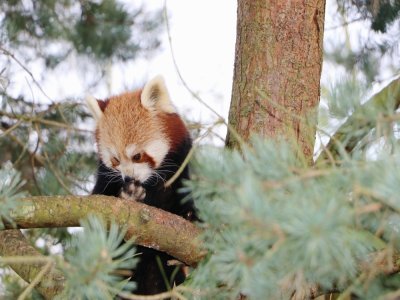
pixel 203 39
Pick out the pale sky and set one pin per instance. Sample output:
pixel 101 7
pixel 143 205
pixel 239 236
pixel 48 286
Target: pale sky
pixel 203 39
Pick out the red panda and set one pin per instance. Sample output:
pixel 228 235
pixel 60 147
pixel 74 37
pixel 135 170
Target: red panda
pixel 141 143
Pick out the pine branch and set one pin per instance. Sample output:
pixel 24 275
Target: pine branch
pixel 386 99
pixel 150 226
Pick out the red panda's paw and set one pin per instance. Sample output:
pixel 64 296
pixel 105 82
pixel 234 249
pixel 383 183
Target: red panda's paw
pixel 133 191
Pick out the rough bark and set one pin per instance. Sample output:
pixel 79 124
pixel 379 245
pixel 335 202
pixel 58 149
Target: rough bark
pixel 13 243
pixel 150 226
pixel 278 59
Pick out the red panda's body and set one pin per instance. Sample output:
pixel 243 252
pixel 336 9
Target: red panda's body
pixel 142 142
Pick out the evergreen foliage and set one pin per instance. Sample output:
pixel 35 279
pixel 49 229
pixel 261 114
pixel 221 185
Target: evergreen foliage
pixel 101 30
pixel 94 259
pixel 369 49
pixel 10 186
pixel 276 226
pixel 46 146
pixel 96 264
pixel 382 13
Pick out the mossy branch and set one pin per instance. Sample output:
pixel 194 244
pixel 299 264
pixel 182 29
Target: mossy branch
pixel 150 226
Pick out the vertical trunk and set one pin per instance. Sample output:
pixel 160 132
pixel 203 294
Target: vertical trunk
pixel 278 59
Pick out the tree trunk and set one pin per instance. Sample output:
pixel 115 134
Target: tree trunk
pixel 278 60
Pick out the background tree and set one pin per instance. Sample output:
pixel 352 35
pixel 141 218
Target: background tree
pixel 40 134
pixel 369 43
pixel 46 36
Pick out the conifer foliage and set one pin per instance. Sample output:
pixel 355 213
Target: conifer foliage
pixel 277 228
pixel 93 266
pixel 100 30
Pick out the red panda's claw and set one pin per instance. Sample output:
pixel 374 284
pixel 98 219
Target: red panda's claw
pixel 133 191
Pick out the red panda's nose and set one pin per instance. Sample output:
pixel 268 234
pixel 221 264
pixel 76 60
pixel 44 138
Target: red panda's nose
pixel 128 179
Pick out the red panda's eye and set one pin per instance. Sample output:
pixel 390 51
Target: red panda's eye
pixel 136 157
pixel 114 162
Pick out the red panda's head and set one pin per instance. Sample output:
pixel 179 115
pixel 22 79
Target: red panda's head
pixel 136 130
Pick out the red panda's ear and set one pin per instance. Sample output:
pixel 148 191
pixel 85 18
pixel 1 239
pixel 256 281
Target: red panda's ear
pixel 95 106
pixel 155 96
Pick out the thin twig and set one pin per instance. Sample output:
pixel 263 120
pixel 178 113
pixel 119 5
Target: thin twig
pixel 189 155
pixel 56 174
pixel 6 132
pixel 24 149
pixel 345 24
pixel 194 95
pixel 181 168
pixel 25 259
pixel 8 53
pixel 298 177
pixel 35 156
pixel 41 121
pixel 35 281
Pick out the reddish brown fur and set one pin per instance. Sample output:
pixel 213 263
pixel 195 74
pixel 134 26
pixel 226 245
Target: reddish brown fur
pixel 102 104
pixel 126 121
pixel 174 128
pixel 148 159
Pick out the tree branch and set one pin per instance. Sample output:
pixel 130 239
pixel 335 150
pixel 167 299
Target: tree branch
pixel 150 226
pixel 14 244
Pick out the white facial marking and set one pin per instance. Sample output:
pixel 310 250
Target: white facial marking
pixel 106 155
pixel 126 169
pixel 131 150
pixel 138 171
pixel 157 149
pixel 142 171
